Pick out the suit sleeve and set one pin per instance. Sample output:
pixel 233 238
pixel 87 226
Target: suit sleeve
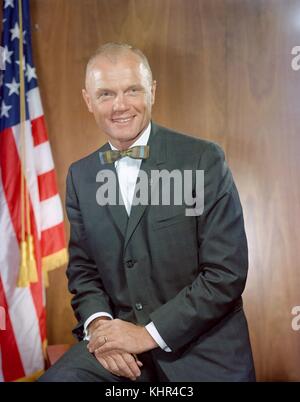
pixel 84 279
pixel 223 260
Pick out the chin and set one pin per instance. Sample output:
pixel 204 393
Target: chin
pixel 126 135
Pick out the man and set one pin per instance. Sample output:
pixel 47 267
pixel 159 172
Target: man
pixel 157 290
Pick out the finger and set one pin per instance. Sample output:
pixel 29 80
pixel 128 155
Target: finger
pixel 124 367
pixel 137 360
pixel 109 346
pixel 131 362
pixel 102 361
pixel 112 366
pixel 106 365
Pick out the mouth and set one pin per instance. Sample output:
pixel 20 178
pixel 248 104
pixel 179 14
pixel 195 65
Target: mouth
pixel 122 120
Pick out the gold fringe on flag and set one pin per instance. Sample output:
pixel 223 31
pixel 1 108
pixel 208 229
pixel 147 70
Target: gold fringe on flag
pixel 23 274
pixel 28 270
pixel 31 378
pixel 33 276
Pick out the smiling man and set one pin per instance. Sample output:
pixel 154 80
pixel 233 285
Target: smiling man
pixel 120 93
pixel 157 294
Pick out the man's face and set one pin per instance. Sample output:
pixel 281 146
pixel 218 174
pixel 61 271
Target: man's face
pixel 120 96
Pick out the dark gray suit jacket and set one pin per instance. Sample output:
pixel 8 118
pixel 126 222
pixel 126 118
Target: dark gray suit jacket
pixel 186 274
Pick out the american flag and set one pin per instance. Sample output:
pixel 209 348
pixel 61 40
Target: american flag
pixel 32 238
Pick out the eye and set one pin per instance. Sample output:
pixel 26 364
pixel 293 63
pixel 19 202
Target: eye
pixel 104 95
pixel 133 91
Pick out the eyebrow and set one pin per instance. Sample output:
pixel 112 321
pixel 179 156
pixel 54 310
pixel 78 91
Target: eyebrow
pixel 138 86
pixel 104 90
pixel 134 86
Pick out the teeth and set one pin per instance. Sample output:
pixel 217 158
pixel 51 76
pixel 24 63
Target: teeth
pixel 122 120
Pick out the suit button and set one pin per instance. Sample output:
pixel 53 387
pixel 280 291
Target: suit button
pixel 139 306
pixel 129 263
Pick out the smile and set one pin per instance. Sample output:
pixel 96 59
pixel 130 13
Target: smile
pixel 123 120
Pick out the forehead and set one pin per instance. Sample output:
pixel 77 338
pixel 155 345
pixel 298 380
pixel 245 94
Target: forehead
pixel 116 71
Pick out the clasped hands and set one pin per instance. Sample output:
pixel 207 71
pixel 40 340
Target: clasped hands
pixel 116 344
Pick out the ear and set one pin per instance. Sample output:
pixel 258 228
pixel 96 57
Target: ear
pixel 87 100
pixel 153 91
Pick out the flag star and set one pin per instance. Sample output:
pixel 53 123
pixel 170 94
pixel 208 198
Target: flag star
pixel 9 3
pixel 30 72
pixel 15 32
pixel 4 109
pixel 7 55
pixel 13 87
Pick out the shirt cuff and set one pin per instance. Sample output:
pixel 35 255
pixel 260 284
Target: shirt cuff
pixel 92 318
pixel 158 339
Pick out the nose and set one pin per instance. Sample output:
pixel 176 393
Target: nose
pixel 120 103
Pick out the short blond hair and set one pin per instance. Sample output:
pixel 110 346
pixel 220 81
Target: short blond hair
pixel 113 50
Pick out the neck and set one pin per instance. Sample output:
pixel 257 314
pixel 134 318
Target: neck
pixel 123 145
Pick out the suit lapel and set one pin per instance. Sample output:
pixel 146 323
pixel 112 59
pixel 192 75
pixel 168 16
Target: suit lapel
pixel 117 212
pixel 154 162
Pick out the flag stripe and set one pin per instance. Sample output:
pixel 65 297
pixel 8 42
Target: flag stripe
pixel 43 158
pixel 34 103
pixel 10 185
pixel 25 150
pixel 29 166
pixel 47 185
pixel 11 361
pixel 53 239
pixel 1 370
pixel 11 177
pixel 19 305
pixel 37 289
pixel 51 212
pixel 39 132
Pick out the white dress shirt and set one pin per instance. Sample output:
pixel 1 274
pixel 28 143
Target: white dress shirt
pixel 127 170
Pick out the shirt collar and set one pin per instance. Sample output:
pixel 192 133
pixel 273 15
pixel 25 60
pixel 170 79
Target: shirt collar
pixel 142 140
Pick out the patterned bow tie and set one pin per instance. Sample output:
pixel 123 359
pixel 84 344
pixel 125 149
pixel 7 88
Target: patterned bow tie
pixel 138 152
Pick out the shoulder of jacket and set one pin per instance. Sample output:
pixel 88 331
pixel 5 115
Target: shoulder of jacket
pixel 183 142
pixel 86 160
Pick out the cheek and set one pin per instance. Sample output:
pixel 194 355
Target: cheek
pixel 143 105
pixel 102 111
